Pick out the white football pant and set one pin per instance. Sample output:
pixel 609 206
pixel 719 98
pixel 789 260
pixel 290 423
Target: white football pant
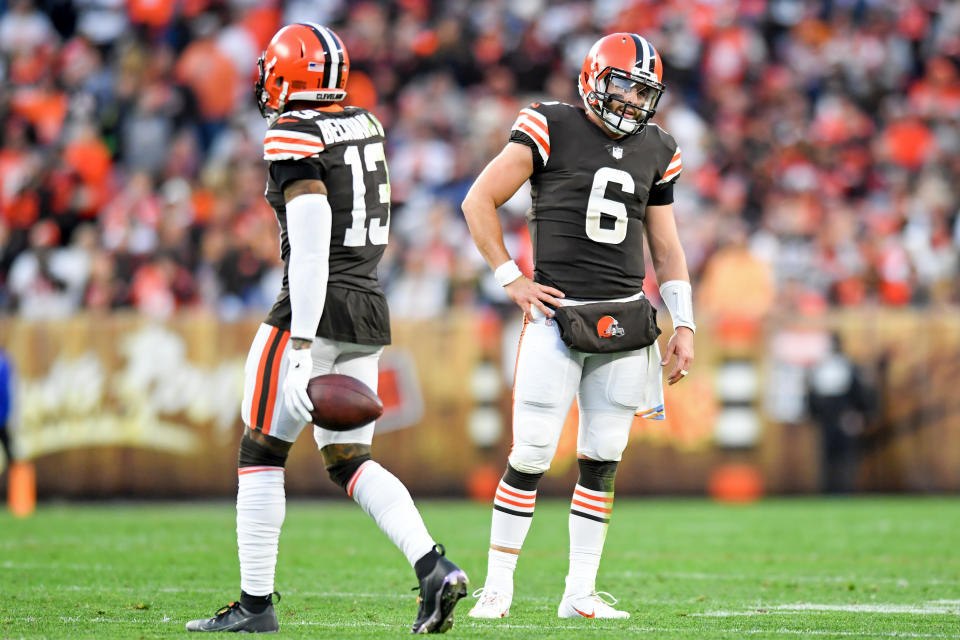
pixel 609 389
pixel 263 404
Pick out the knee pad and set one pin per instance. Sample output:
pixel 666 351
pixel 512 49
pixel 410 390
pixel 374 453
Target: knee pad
pixel 341 472
pixel 254 454
pixel 597 475
pixel 530 459
pixel 611 448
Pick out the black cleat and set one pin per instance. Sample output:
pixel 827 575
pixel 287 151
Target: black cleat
pixel 234 617
pixel 439 593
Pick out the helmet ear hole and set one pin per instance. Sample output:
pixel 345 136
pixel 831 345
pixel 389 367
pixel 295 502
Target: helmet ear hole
pixel 278 81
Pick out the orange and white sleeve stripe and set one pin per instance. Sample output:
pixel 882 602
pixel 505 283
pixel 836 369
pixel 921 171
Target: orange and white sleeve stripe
pixel 590 504
pixel 534 125
pixel 673 169
pixel 283 144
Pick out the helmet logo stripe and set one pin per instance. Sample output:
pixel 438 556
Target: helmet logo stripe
pixel 327 55
pixel 653 57
pixel 338 45
pixel 333 80
pixel 643 54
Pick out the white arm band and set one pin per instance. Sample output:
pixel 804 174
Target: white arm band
pixel 507 273
pixel 308 231
pixel 678 296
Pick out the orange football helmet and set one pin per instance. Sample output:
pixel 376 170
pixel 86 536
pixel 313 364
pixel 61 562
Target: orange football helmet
pixel 303 61
pixel 616 66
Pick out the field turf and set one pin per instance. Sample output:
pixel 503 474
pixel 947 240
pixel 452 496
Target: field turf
pixel 844 568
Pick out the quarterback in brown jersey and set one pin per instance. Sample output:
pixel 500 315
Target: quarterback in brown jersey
pixel 601 178
pixel 329 186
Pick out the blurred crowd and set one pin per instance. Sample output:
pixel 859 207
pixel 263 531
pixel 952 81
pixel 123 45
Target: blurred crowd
pixel 820 140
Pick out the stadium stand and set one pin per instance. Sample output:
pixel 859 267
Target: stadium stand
pixel 821 137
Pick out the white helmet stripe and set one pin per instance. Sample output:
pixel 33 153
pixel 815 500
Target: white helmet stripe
pixel 336 67
pixel 643 52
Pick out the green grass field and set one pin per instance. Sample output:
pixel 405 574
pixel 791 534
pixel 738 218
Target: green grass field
pixel 870 568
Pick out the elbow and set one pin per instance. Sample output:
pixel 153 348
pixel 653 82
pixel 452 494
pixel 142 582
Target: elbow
pixel 469 208
pixel 467 205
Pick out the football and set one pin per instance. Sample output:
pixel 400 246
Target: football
pixel 341 402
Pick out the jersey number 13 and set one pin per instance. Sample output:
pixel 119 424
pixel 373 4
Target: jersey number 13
pixel 356 235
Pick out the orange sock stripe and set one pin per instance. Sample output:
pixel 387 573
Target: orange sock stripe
pixel 504 489
pixel 356 476
pixel 525 505
pixel 275 382
pixel 245 470
pixel 591 507
pixel 577 492
pixel 258 383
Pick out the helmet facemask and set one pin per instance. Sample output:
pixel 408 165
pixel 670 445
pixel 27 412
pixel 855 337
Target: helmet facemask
pixel 611 104
pixel 260 89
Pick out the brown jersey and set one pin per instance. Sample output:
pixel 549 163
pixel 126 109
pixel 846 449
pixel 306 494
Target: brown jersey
pixel 345 149
pixel 590 193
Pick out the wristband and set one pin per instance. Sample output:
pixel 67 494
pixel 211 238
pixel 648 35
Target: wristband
pixel 507 273
pixel 678 296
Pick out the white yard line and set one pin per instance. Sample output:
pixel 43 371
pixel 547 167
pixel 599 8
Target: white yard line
pixel 750 577
pixel 936 607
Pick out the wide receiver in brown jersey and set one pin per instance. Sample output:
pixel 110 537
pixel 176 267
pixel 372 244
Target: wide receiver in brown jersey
pixel 600 178
pixel 328 184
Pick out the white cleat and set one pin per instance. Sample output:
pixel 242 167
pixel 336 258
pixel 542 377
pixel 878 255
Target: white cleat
pixel 491 605
pixel 592 605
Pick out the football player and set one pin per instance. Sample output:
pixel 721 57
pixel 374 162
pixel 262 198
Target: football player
pixel 600 178
pixel 327 181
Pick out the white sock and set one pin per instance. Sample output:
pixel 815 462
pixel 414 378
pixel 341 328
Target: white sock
pixel 512 516
pixel 589 519
pixel 261 506
pixel 500 569
pixel 384 498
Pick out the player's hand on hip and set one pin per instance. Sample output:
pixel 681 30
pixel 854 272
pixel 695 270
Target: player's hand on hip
pixel 299 370
pixel 526 292
pixel 681 346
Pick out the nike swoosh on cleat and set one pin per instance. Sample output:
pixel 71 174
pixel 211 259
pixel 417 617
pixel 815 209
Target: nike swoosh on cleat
pixel 593 614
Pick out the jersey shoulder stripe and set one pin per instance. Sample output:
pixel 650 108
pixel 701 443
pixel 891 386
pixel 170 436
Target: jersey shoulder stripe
pixel 292 138
pixel 534 126
pixel 671 171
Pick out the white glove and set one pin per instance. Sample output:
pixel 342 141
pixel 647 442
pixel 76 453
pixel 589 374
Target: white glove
pixel 299 371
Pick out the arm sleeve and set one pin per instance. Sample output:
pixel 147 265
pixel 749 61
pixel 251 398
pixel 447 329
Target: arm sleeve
pixel 309 221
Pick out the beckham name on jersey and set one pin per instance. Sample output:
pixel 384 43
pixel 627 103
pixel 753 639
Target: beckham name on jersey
pixel 358 127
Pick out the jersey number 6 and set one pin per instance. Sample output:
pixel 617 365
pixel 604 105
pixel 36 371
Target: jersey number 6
pixel 599 205
pixel 356 235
